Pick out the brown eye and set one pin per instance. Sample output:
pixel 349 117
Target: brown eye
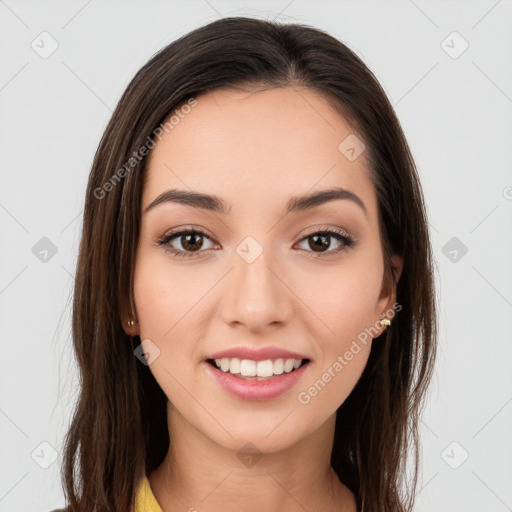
pixel 319 242
pixel 191 242
pixel 185 243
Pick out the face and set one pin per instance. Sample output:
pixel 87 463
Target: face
pixel 257 275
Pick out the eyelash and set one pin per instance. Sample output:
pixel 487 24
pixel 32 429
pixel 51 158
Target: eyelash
pixel 346 240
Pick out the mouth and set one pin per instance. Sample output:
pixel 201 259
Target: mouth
pixel 247 369
pixel 247 379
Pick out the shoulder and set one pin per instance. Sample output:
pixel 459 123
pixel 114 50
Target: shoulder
pixel 145 500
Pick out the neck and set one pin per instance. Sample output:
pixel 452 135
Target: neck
pixel 200 474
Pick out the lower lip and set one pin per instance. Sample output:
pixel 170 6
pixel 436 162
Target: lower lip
pixel 257 389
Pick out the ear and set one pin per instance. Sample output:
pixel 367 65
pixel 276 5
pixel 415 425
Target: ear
pixel 387 297
pixel 126 316
pixel 398 264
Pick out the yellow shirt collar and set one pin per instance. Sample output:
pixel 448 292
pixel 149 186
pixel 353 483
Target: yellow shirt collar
pixel 145 501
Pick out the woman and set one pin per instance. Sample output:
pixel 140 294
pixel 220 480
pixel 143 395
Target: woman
pixel 254 310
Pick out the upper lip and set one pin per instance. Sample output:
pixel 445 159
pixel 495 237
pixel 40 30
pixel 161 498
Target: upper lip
pixel 257 354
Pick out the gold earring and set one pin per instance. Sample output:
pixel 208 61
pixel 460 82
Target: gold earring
pixel 131 323
pixel 384 321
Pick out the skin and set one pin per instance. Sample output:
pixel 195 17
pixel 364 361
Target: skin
pixel 256 151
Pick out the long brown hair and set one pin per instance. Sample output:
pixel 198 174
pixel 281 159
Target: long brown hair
pixel 119 432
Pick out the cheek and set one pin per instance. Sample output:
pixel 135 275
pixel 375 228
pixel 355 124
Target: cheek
pixel 345 306
pixel 166 307
pixel 173 312
pixel 342 298
pixel 154 299
pixel 164 294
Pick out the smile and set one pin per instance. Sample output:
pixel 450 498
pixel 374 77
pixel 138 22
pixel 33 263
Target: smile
pixel 256 380
pixel 257 370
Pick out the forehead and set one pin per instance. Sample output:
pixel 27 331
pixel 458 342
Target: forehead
pixel 254 145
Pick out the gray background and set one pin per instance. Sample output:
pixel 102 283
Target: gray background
pixel 455 109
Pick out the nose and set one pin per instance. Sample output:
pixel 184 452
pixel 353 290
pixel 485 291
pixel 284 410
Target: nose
pixel 256 296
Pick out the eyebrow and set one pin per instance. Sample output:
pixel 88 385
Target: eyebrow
pixel 216 204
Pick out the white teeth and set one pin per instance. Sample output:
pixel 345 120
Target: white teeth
pixel 288 365
pixel 234 365
pixel 249 368
pixel 278 366
pixel 265 368
pixel 224 364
